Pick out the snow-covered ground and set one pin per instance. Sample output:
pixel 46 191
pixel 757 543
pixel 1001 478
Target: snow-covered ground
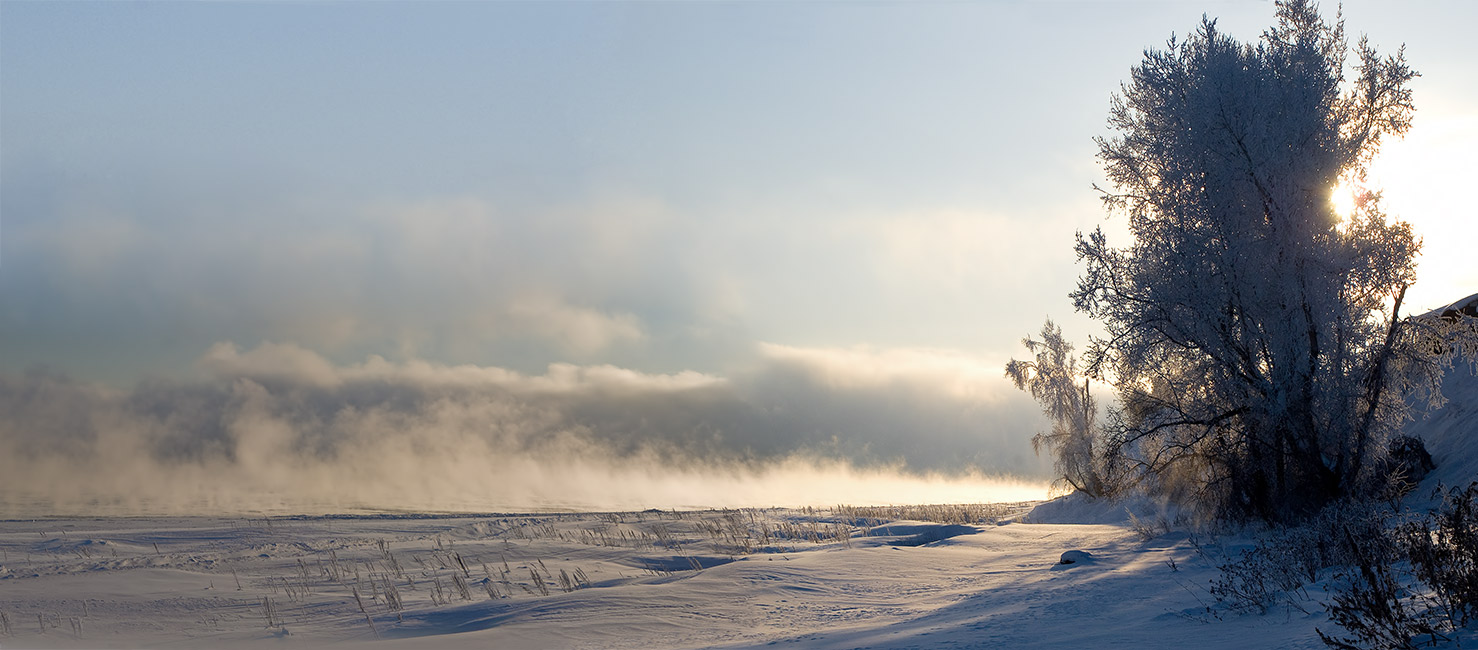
pixel 655 579
pixel 652 579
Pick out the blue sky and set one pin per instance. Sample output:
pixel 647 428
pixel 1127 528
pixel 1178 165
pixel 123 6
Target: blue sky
pixel 659 187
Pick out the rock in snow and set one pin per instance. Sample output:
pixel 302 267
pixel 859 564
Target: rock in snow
pixel 1076 557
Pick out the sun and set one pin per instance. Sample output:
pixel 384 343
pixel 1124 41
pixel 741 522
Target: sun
pixel 1344 198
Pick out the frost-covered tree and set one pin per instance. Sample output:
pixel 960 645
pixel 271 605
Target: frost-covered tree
pixel 1053 379
pixel 1252 336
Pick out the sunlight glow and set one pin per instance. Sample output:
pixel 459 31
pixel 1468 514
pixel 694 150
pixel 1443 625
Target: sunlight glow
pixel 1420 179
pixel 1344 199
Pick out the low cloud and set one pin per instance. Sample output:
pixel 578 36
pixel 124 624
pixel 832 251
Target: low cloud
pixel 577 330
pixel 458 278
pixel 279 428
pixel 135 277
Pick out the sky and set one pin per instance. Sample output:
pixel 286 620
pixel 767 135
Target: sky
pixel 743 234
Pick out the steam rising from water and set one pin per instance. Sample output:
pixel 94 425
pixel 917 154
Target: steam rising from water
pixel 279 429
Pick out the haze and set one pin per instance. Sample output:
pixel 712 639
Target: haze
pixel 328 256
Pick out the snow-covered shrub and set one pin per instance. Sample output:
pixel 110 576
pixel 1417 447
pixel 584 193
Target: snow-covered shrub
pixel 1384 606
pixel 1443 550
pixel 1377 610
pixel 1285 559
pixel 1148 528
pixel 1407 463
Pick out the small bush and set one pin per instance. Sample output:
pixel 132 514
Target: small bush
pixel 1442 548
pixel 1376 609
pixel 1407 457
pixel 1286 559
pixel 1407 462
pixel 1256 580
pixel 1444 556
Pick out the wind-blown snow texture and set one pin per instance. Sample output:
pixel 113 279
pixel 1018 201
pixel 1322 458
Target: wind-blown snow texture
pixel 725 579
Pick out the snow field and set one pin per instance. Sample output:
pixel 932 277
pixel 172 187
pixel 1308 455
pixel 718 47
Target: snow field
pixel 735 578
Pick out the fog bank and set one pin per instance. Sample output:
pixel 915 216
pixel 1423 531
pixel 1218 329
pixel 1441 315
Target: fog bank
pixel 281 429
